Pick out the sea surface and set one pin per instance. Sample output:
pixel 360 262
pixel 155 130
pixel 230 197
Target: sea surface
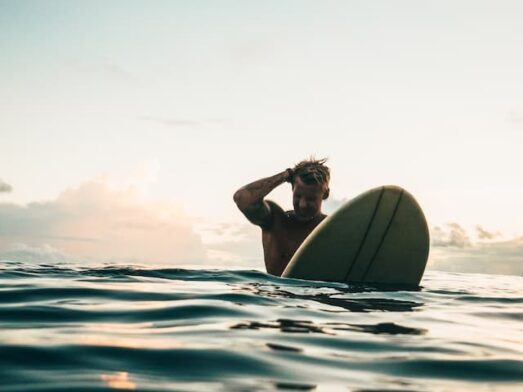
pixel 66 328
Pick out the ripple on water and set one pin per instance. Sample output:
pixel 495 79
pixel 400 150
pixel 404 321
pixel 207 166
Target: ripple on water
pixel 128 327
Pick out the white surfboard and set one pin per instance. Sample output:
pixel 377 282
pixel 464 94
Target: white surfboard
pixel 380 236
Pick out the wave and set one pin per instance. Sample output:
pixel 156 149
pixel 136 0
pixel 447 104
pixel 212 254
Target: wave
pixel 68 327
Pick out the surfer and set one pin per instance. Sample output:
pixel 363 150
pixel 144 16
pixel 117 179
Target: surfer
pixel 284 231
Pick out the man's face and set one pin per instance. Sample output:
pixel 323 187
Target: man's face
pixel 307 199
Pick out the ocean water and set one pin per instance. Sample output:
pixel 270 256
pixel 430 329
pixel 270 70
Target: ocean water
pixel 66 328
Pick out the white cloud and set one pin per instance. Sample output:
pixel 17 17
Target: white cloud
pixel 31 254
pixel 185 122
pixel 100 223
pixel 97 222
pixel 515 116
pixel 454 236
pixel 487 251
pixel 233 244
pixel 486 235
pixel 5 187
pixel 104 68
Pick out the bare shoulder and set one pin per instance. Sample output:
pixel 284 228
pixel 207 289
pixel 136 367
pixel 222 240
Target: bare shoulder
pixel 263 213
pixel 277 215
pixel 275 208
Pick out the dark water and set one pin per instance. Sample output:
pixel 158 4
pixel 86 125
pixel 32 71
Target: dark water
pixel 66 328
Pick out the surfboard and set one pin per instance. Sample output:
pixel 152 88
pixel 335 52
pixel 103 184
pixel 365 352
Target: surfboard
pixel 381 236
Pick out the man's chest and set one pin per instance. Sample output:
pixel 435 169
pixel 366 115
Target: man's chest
pixel 288 236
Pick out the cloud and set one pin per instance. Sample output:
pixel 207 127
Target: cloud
pixel 502 257
pixel 252 52
pixel 233 244
pixel 32 254
pixel 454 250
pixel 515 116
pixel 454 236
pixel 97 222
pixel 5 187
pixel 186 123
pixel 101 223
pixel 486 235
pixel 103 67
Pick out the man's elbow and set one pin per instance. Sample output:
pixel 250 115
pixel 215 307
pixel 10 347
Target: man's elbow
pixel 239 199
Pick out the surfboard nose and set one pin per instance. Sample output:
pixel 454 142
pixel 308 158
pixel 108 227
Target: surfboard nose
pixel 381 236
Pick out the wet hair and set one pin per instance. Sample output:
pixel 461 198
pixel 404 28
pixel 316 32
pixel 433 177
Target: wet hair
pixel 312 171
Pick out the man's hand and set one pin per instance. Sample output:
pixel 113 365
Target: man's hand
pixel 290 175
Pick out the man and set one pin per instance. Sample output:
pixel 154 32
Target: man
pixel 284 231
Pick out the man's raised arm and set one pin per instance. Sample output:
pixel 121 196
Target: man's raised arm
pixel 249 198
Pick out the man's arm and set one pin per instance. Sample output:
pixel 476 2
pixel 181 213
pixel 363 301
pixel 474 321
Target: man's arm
pixel 249 198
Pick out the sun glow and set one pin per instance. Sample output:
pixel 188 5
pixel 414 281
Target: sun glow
pixel 118 380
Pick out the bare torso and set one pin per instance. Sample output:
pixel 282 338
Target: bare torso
pixel 283 237
pixel 283 232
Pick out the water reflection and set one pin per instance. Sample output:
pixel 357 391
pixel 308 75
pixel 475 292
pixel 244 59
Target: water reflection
pixel 332 298
pixel 329 328
pixel 118 380
pixel 282 347
pixel 291 386
pixel 189 330
pixel 379 328
pixel 284 325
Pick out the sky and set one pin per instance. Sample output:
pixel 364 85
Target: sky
pixel 126 126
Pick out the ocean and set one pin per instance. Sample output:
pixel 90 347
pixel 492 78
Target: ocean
pixel 67 328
